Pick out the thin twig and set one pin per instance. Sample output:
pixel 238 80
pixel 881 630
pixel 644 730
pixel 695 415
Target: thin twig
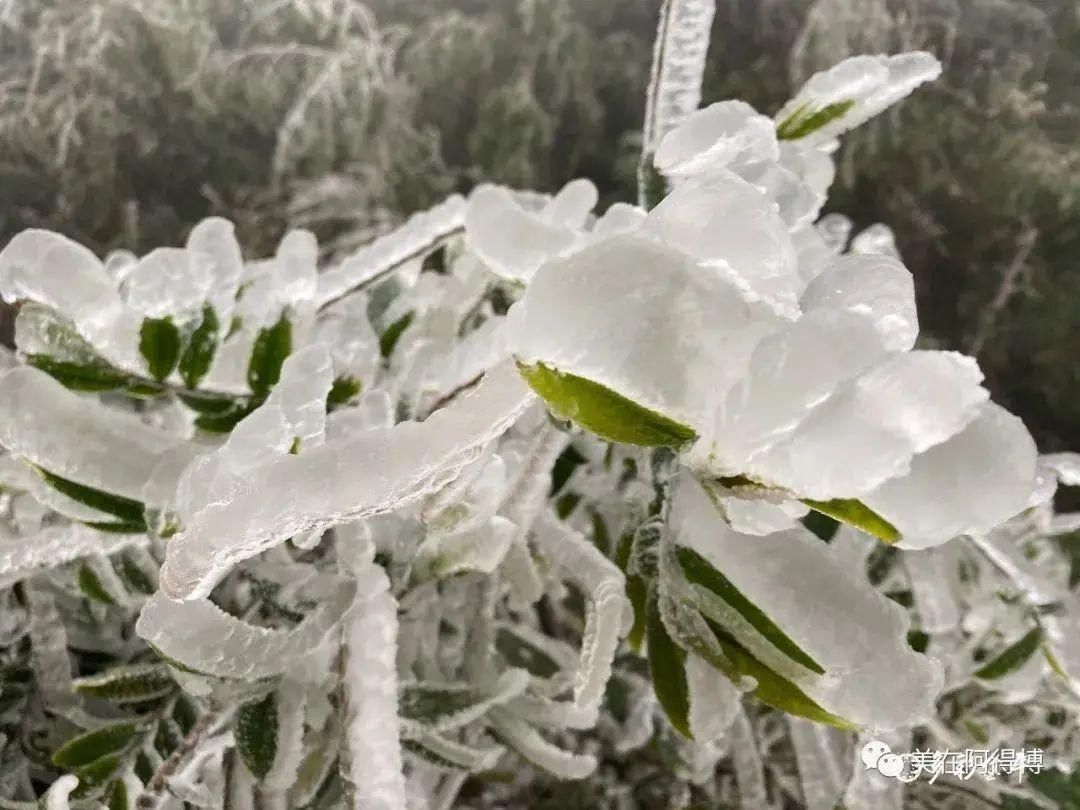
pixel 1010 284
pixel 152 793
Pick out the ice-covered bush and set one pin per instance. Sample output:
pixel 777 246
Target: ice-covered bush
pixel 520 491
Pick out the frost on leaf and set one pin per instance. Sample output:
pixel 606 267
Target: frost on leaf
pixel 204 638
pixel 369 473
pixel 715 137
pixel 854 634
pixel 77 439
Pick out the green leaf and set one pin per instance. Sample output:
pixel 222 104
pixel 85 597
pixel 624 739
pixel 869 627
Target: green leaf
pixel 821 525
pixel 159 344
pixel 342 392
pixel 80 376
pixel 599 409
pixel 98 772
pixel 667 669
pixel 637 592
pixel 127 509
pixel 200 402
pixel 117 526
pixel 199 352
pixel 518 652
pixel 127 684
pixel 93 745
pixel 854 513
pixel 1055 665
pixel 256 734
pixel 772 689
pixel 1014 657
pixel 447 754
pixel 699 571
pixel 272 345
pixel 116 796
pixel 388 339
pixel 91 586
pixel 804 122
pixel 134 577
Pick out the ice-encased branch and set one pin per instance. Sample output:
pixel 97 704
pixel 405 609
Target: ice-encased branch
pixel 367 474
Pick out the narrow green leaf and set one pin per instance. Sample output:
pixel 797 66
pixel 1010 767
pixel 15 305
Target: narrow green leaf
pixel 127 684
pixel 1014 657
pixel 159 344
pixel 91 586
pixel 518 652
pixel 98 772
pixel 568 461
pixel 667 669
pixel 342 392
pixel 699 571
pixel 127 509
pixel 133 576
pixel 854 513
pixel 388 339
pixel 599 409
pixel 803 122
pixel 256 734
pixel 93 745
pixel 1055 665
pixel 80 376
pixel 772 689
pixel 430 703
pixel 199 352
pixel 225 422
pixel 201 402
pixel 637 592
pixel 117 526
pixel 272 345
pixel 446 754
pixel 116 796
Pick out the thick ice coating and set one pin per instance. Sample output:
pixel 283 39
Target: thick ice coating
pixel 361 475
pixel 855 633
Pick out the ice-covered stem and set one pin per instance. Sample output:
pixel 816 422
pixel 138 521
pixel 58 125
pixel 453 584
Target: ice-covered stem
pixel 154 792
pixel 682 41
pixel 373 765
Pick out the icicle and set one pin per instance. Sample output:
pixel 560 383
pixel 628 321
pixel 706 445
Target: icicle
pixel 931 572
pixel 682 42
pixel 749 772
pixel 371 688
pixel 367 474
pixel 714 701
pixel 822 755
pixel 48 652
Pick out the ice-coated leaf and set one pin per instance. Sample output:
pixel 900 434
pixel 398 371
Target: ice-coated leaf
pixel 1012 657
pixel 968 484
pixel 76 438
pixel 256 729
pixel 441 752
pixel 93 377
pixel 272 345
pixel 93 745
pixel 364 474
pixel 159 344
pixel 446 706
pixel 576 318
pixel 201 347
pixel 735 231
pixel 56 797
pixel 878 286
pixel 823 757
pixel 512 241
pixel 715 137
pixel 371 688
pixel 541 656
pixel 53 270
pixel 420 234
pixel 128 510
pixel 667 668
pixel 713 700
pixel 167 282
pixel 526 740
pixel 212 244
pixel 21 557
pixel 127 684
pixel 392 334
pixel 601 410
pixel 854 633
pixel 875 240
pixel 204 638
pixel 851 92
pixel 869 429
pixel 476 548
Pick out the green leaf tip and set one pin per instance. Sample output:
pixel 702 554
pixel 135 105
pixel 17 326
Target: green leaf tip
pixel 272 345
pixel 805 122
pixel 256 734
pixel 604 412
pixel 857 514
pixel 1013 657
pixel 201 347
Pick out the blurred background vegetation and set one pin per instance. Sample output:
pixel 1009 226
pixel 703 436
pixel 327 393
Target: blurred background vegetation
pixel 123 122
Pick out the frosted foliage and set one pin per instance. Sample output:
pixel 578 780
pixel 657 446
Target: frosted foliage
pixel 372 472
pixel 167 281
pixel 214 251
pixel 856 634
pixel 714 700
pixel 204 638
pixel 880 287
pixel 871 83
pixel 823 756
pixel 728 226
pixel 563 321
pixel 22 556
pixel 714 137
pixel 970 483
pixel 56 430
